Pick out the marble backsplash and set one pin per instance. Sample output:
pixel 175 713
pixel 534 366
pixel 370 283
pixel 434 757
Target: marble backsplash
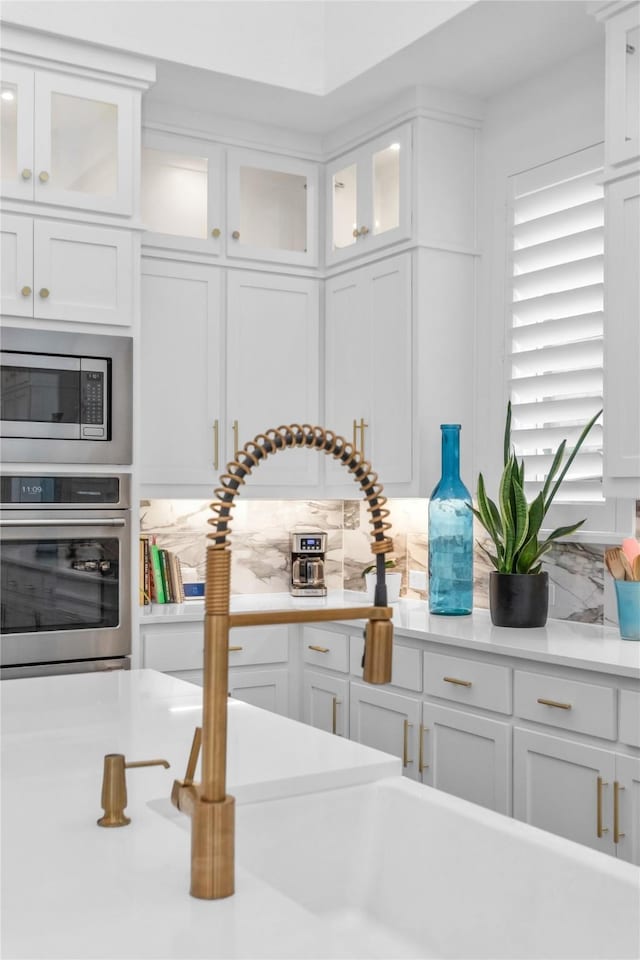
pixel 260 538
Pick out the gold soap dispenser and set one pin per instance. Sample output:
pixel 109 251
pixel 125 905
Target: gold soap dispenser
pixel 114 788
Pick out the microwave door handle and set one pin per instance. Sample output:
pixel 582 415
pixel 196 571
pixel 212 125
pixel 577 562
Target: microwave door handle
pixel 98 522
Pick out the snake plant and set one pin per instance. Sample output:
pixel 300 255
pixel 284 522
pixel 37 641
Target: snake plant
pixel 514 524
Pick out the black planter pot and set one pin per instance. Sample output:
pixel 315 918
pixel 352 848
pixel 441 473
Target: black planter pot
pixel 518 599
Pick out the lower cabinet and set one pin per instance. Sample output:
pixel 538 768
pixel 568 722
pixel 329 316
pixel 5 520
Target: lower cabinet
pixel 387 721
pixel 325 702
pixel 268 689
pixel 466 755
pixel 570 789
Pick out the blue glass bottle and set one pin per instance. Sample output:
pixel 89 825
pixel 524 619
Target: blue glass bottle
pixel 450 534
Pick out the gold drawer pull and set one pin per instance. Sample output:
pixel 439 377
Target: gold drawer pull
pixel 334 715
pixel 312 646
pixel 554 703
pixel 26 174
pixel 43 176
pixel 44 293
pixel 216 438
pixel 459 683
pixel 422 766
pixel 26 291
pixel 236 234
pixel 236 441
pixel 616 812
pixel 215 232
pixel 405 744
pixel 600 830
pixel 235 649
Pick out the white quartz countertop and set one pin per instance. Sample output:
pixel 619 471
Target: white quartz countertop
pixel 72 889
pixel 569 643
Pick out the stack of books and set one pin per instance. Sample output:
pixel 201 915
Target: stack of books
pixel 160 573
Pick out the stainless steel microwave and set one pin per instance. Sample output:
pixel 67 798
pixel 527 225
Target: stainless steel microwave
pixel 65 398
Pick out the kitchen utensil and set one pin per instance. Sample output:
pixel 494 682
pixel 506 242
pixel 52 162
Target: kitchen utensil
pixel 628 570
pixel 636 568
pixel 612 558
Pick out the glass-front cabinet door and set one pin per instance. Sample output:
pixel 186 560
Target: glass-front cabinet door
pixel 369 196
pixel 66 140
pixel 181 193
pixel 272 208
pixel 622 135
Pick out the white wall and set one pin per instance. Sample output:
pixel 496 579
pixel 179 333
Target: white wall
pixel 547 117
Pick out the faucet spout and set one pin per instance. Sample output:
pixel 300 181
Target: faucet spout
pixel 211 809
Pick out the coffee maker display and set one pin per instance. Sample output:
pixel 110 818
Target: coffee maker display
pixel 307 564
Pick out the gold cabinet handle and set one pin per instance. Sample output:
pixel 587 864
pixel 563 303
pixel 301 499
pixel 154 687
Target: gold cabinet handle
pixel 312 646
pixel 26 291
pixel 600 830
pixel 44 293
pixel 363 427
pixel 235 436
pixel 554 703
pixel 616 812
pixel 364 231
pixel 114 788
pixel 236 234
pixel 235 649
pixel 459 683
pixel 216 438
pixel 405 744
pixel 215 232
pixel 334 715
pixel 355 434
pixel 422 766
pixel 355 232
pixel 43 176
pixel 26 174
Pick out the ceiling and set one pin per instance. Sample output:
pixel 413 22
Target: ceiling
pixel 481 52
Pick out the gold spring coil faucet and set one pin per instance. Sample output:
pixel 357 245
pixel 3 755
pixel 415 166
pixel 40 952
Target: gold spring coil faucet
pixel 210 807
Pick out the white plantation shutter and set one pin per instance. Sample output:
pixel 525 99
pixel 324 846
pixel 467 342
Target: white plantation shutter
pixel 555 357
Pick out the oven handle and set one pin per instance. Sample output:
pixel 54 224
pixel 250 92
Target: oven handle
pixel 98 522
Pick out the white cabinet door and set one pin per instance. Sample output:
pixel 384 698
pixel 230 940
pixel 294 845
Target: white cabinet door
pixel 82 273
pixel 16 264
pixel 326 702
pixel 181 193
pixel 627 818
pixel 272 368
pixel 368 198
pixel 387 721
pixel 268 689
pixel 564 787
pixel 622 113
pixel 16 134
pixel 466 755
pixel 622 337
pixel 368 378
pixel 181 382
pixel 272 204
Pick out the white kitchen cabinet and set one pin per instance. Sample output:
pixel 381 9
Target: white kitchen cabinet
pixel 387 721
pixel 181 374
pixel 622 84
pixel 182 203
pixel 368 199
pixel 368 367
pixel 268 689
pixel 564 787
pixel 622 340
pixel 272 369
pixel 58 270
pixel 67 140
pixel 627 819
pixel 466 755
pixel 325 702
pixel 272 208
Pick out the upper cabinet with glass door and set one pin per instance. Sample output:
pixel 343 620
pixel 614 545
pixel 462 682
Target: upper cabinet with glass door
pixel 181 193
pixel 66 140
pixel 272 208
pixel 622 139
pixel 369 196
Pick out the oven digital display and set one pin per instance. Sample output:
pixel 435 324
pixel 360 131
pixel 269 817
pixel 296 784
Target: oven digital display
pixel 36 489
pixel 310 543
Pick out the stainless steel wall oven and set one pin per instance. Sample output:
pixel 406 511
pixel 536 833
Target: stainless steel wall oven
pixel 65 574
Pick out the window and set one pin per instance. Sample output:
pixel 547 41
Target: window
pixel 555 348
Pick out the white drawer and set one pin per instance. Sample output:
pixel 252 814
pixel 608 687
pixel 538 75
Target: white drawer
pixel 258 645
pixel 170 649
pixel 322 648
pixel 630 717
pixel 476 684
pixel 405 665
pixel 570 704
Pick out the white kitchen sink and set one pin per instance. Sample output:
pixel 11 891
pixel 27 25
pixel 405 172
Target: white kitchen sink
pixel 397 869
